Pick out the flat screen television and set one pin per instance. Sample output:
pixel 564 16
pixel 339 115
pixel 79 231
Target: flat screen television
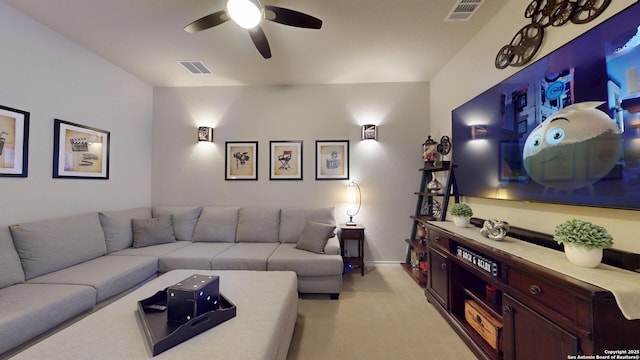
pixel 565 129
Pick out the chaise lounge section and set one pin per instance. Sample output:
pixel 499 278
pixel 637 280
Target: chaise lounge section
pixel 54 270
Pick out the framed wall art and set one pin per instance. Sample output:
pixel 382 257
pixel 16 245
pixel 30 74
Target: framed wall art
pixel 285 160
pixel 14 142
pixel 332 160
pixel 80 151
pixel 241 160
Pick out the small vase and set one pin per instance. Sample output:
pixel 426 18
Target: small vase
pixel 460 221
pixel 582 256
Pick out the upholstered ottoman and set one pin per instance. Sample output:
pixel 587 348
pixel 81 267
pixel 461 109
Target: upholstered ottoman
pixel 262 329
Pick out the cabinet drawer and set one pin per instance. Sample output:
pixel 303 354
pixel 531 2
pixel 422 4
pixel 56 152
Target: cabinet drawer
pixel 545 293
pixel 352 234
pixel 439 239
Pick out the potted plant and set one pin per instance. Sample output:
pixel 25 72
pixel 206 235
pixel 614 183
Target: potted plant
pixel 461 213
pixel 583 241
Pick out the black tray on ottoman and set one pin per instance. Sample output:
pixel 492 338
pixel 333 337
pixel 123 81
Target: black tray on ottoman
pixel 162 334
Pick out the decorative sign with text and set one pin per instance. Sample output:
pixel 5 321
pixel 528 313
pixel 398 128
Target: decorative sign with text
pixel 479 261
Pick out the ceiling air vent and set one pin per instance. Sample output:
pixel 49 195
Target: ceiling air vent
pixel 195 67
pixel 463 10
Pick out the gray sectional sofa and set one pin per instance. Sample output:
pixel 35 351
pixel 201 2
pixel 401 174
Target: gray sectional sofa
pixel 52 271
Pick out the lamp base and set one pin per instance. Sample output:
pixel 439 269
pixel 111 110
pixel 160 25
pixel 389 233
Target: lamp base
pixel 350 222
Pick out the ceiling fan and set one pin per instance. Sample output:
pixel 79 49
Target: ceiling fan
pixel 249 14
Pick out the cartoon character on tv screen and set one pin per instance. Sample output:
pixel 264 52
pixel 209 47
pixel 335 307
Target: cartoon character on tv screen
pixel 573 148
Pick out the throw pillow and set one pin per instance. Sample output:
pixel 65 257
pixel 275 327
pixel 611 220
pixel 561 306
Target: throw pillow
pixel 154 231
pixel 314 236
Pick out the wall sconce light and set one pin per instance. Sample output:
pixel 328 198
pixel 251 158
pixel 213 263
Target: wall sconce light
pixel 478 132
pixel 351 199
pixel 369 132
pixel 205 133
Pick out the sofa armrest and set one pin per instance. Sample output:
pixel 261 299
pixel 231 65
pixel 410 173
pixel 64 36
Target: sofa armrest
pixel 333 246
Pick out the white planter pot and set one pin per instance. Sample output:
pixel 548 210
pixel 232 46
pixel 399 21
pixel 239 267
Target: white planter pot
pixel 581 256
pixel 460 221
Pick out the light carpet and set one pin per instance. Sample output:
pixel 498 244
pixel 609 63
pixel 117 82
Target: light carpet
pixel 382 315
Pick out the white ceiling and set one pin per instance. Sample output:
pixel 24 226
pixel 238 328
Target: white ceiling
pixel 361 41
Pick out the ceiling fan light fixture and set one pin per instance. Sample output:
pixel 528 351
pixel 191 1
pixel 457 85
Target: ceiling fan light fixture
pixel 246 13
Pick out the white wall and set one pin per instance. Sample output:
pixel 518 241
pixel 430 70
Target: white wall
pixel 472 71
pixel 186 172
pixel 51 77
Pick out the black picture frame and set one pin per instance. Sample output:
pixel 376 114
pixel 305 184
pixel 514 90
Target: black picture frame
pixel 285 160
pixel 80 151
pixel 14 142
pixel 332 160
pixel 241 160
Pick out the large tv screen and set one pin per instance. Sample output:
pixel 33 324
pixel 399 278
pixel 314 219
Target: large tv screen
pixel 565 129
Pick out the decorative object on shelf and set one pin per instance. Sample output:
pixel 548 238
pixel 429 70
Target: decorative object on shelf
pixel 369 132
pixel 432 209
pixel 444 147
pixel 545 13
pixel 421 231
pixel 434 185
pixel 583 242
pixel 494 229
pixel 461 213
pixel 351 199
pixel 205 133
pixel 430 150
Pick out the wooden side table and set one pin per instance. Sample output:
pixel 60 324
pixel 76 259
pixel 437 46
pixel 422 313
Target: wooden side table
pixel 353 233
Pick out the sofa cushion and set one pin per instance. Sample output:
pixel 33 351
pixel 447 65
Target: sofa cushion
pixel 28 310
pixel 305 263
pixel 50 245
pixel 154 231
pixel 244 256
pixel 10 268
pixel 184 219
pixel 155 250
pixel 193 256
pixel 216 224
pixel 258 224
pixel 108 275
pixel 314 237
pixel 292 221
pixel 117 228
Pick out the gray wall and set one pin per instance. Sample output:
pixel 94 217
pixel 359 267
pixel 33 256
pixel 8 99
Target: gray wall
pixel 52 77
pixel 187 172
pixel 473 67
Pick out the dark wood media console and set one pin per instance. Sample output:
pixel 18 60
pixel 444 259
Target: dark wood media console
pixel 541 313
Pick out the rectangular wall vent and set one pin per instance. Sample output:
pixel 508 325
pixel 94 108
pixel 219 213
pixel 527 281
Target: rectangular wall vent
pixel 195 67
pixel 463 10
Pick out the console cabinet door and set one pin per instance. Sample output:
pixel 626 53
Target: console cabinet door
pixel 528 335
pixel 438 283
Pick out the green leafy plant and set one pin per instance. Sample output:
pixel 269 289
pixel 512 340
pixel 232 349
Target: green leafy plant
pixel 583 233
pixel 460 209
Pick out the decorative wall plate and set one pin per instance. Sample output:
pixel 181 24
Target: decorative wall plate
pixel 587 10
pixel 526 43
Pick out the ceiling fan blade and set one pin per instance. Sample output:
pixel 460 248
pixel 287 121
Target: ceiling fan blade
pixel 260 41
pixel 293 18
pixel 207 22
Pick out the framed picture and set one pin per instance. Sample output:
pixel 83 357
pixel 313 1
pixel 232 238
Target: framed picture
pixel 332 160
pixel 241 160
pixel 80 151
pixel 14 142
pixel 285 160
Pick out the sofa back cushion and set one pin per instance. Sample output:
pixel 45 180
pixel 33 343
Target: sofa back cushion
pixel 154 231
pixel 116 225
pixel 184 219
pixel 10 268
pixel 257 224
pixel 216 224
pixel 292 221
pixel 50 245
